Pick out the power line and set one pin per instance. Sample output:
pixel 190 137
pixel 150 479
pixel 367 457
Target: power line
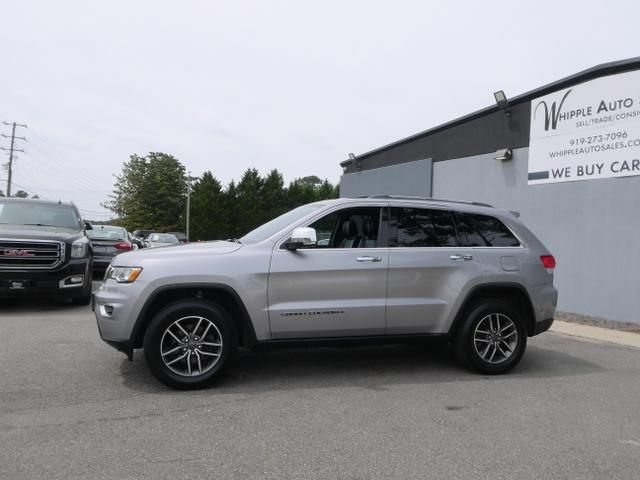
pixel 74 166
pixel 26 189
pixel 63 167
pixel 12 149
pixel 37 164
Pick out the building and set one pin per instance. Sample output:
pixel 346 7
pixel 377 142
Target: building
pixel 566 156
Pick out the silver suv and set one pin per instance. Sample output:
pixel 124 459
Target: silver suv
pixel 347 271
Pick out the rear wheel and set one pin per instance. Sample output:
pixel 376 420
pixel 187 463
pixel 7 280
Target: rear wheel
pixel 493 337
pixel 188 343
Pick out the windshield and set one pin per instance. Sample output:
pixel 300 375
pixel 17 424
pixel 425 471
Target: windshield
pixel 107 232
pixel 163 238
pixel 274 226
pixel 26 213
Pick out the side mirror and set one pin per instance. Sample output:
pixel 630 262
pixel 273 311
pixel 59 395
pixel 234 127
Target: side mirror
pixel 301 237
pixel 87 225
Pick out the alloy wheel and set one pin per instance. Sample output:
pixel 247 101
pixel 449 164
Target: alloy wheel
pixel 495 338
pixel 191 346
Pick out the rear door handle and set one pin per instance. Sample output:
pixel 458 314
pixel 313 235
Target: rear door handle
pixel 369 259
pixel 461 257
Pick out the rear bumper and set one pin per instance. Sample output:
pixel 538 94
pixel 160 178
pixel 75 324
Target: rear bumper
pixel 544 299
pixel 45 283
pixel 542 326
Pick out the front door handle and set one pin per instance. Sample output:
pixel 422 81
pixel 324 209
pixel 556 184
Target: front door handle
pixel 369 259
pixel 461 257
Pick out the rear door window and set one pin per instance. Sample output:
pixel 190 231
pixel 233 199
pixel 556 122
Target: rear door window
pixel 421 227
pixel 483 231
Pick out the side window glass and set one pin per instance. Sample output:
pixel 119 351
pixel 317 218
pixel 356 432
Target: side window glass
pixel 483 231
pixel 325 229
pixel 418 227
pixel 350 228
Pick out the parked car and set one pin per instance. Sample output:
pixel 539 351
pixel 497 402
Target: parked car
pixel 156 240
pixel 182 237
pixel 44 250
pixel 141 236
pixel 108 241
pixel 389 270
pixel 135 241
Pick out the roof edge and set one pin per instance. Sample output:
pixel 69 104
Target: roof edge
pixel 591 73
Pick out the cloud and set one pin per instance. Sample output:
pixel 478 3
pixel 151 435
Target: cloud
pixel 290 85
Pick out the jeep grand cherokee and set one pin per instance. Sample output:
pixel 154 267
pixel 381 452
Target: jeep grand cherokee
pixel 344 271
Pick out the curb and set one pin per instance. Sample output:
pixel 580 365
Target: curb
pixel 598 334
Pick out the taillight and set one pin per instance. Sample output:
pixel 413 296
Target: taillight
pixel 548 261
pixel 123 246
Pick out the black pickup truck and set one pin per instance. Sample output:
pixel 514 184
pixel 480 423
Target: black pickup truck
pixel 44 250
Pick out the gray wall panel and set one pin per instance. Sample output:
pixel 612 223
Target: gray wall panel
pixel 413 178
pixel 592 227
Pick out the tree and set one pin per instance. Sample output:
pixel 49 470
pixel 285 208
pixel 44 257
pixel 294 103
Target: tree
pixel 311 180
pixel 274 197
pixel 208 217
pixel 231 210
pixel 249 201
pixel 21 194
pixel 150 193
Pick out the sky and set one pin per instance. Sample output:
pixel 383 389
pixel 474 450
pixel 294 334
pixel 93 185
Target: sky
pixel 292 85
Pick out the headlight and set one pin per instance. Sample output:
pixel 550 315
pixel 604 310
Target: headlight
pixel 123 274
pixel 79 248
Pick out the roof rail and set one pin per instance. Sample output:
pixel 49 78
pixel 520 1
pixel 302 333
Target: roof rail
pixel 430 199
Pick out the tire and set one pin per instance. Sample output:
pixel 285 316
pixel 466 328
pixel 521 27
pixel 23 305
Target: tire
pixel 84 300
pixel 489 353
pixel 200 332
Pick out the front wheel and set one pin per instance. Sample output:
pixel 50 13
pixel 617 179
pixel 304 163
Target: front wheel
pixel 188 343
pixel 493 337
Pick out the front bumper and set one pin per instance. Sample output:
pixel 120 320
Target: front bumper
pixel 123 346
pixel 116 307
pixel 46 283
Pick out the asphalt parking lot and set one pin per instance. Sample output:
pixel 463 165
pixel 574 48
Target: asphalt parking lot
pixel 71 407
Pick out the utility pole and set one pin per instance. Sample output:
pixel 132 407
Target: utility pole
pixel 188 203
pixel 12 149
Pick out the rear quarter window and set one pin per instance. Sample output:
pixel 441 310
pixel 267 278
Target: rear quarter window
pixel 483 231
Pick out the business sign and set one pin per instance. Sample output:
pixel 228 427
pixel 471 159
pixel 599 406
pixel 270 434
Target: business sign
pixel 586 132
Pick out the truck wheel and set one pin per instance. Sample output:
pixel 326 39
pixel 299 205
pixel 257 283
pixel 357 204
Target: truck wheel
pixel 492 339
pixel 87 290
pixel 188 343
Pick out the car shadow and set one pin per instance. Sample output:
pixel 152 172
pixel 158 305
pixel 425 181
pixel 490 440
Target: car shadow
pixel 42 304
pixel 37 305
pixel 372 368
